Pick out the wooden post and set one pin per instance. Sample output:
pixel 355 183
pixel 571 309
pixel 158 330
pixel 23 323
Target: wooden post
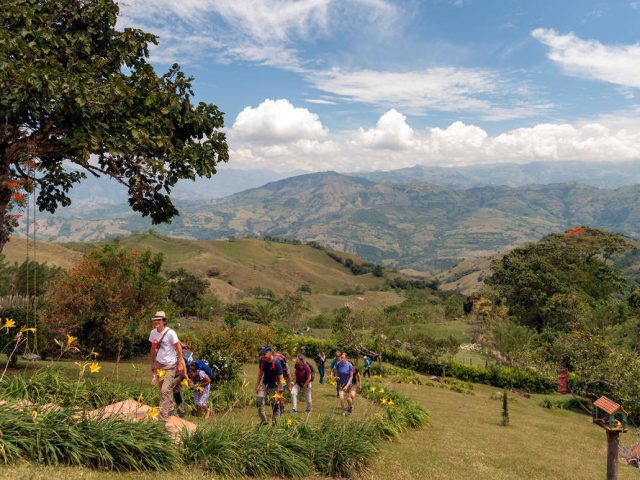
pixel 613 443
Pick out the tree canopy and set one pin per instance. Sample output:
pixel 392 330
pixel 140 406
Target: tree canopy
pixel 79 96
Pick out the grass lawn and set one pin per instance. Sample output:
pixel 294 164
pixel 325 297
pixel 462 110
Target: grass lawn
pixel 465 440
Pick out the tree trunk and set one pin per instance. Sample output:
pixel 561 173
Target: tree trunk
pixel 613 444
pixel 118 355
pixel 5 199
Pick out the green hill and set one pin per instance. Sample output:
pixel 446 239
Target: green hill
pixel 243 264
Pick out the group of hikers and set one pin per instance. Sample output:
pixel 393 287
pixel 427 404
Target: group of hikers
pixel 173 366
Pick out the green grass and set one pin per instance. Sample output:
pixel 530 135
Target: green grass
pixel 456 328
pixel 465 439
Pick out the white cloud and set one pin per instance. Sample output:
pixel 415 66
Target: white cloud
pixel 267 32
pixel 393 143
pixel 617 64
pixel 392 132
pixel 276 121
pixel 442 88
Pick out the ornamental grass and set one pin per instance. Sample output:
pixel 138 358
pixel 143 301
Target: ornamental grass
pixel 60 437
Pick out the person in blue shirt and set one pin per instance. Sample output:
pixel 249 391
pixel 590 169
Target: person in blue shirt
pixel 346 384
pixel 367 366
pixel 269 386
pixel 333 373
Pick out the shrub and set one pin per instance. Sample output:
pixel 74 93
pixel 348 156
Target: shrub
pixel 240 343
pixel 225 368
pixel 497 376
pixel 213 272
pixel 311 347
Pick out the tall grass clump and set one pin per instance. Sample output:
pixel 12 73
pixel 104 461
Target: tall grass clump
pixel 61 437
pixel 341 448
pixel 237 450
pixel 51 386
pixel 402 412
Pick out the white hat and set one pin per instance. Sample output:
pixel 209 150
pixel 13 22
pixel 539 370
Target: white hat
pixel 159 315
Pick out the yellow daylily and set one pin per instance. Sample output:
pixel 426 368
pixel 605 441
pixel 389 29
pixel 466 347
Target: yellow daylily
pixel 381 390
pixel 184 382
pixel 30 329
pixel 198 388
pixel 94 367
pixel 153 413
pixel 94 354
pixel 8 323
pixel 384 401
pixel 278 396
pixel 161 373
pixel 391 404
pixel 289 422
pixel 34 415
pixel 71 339
pixel 372 389
pixel 140 398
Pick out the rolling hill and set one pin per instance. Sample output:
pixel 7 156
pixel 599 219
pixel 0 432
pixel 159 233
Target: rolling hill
pixel 243 264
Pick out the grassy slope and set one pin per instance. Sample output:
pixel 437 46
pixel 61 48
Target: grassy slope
pixel 244 263
pixel 465 440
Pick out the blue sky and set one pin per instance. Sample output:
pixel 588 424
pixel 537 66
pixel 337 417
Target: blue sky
pixel 362 84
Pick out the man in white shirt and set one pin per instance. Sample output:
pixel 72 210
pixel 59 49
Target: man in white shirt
pixel 167 364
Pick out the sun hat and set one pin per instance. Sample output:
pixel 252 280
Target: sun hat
pixel 159 315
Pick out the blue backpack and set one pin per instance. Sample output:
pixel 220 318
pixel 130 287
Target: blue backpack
pixel 204 366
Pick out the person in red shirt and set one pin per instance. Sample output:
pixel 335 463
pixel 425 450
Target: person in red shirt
pixel 302 383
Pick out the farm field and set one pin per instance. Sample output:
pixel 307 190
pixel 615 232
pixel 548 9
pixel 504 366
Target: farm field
pixel 464 441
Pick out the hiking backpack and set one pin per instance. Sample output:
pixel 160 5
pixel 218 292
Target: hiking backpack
pixel 187 355
pixel 313 371
pixel 204 366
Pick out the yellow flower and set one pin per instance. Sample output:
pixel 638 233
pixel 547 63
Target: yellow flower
pixel 184 382
pixel 8 323
pixel 289 422
pixel 71 339
pixel 94 367
pixel 34 415
pixel 278 396
pixel 384 401
pixel 161 373
pixel 198 388
pixel 391 404
pixel 153 413
pixel 30 329
pixel 373 389
pixel 140 398
pixel 381 390
pixel 94 354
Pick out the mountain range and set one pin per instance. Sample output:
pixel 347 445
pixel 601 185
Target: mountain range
pixel 412 224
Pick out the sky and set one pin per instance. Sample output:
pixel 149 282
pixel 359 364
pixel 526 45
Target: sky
pixel 350 85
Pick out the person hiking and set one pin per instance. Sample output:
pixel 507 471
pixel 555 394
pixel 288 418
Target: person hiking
pixel 167 362
pixel 201 385
pixel 321 359
pixel 303 378
pixel 367 366
pixel 269 385
pixel 346 384
pixel 333 372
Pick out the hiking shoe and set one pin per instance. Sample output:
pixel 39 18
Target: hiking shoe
pixel 308 410
pixel 180 412
pixel 294 411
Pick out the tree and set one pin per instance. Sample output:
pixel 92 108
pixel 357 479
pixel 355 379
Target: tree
pixel 104 299
pixel 561 272
pixel 185 290
pixel 78 92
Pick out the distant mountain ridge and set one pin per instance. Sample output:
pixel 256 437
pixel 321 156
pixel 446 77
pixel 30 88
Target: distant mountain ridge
pixel 416 224
pixel 606 175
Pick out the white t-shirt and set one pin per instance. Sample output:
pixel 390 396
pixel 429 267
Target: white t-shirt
pixel 166 353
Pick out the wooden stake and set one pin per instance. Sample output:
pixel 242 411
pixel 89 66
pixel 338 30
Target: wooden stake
pixel 613 443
